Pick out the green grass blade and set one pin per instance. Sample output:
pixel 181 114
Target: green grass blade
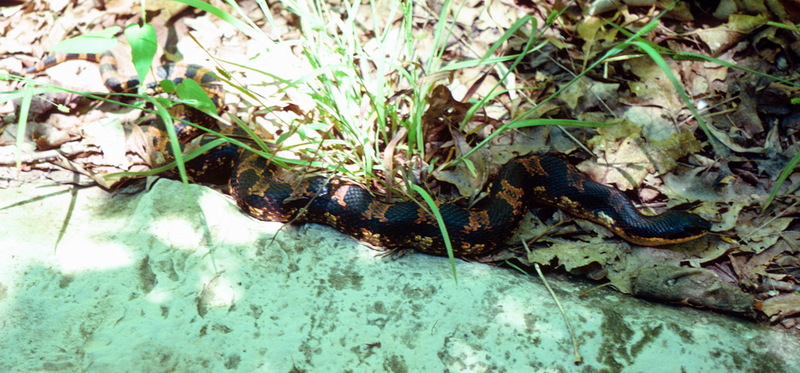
pixel 720 62
pixel 522 123
pixel 781 179
pixel 662 64
pixel 175 146
pixel 434 208
pixel 186 157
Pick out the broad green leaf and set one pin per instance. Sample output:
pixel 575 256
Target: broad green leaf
pixel 195 96
pixel 143 48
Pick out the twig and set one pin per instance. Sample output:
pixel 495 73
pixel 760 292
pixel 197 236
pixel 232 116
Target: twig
pixel 578 360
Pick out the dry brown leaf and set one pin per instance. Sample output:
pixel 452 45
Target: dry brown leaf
pixel 623 161
pixel 701 251
pixel 595 32
pixel 758 233
pixel 575 255
pixel 515 143
pixel 665 154
pixel 467 183
pixel 50 135
pixel 781 306
pixel 755 272
pixel 655 126
pixel 167 7
pixel 109 136
pixel 701 76
pixel 624 167
pixel 653 87
pixel 586 93
pixel 622 272
pixel 722 37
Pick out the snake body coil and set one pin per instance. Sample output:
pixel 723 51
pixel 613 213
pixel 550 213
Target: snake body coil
pixel 474 232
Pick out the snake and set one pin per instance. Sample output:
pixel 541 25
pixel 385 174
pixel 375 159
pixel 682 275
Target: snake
pixel 473 231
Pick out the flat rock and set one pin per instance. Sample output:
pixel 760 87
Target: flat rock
pixel 178 279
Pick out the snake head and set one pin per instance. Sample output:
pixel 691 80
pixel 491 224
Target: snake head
pixel 670 227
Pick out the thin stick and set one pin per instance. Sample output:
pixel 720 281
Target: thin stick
pixel 578 360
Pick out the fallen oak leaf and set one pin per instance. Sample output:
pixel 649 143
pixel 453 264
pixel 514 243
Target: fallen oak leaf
pixel 781 306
